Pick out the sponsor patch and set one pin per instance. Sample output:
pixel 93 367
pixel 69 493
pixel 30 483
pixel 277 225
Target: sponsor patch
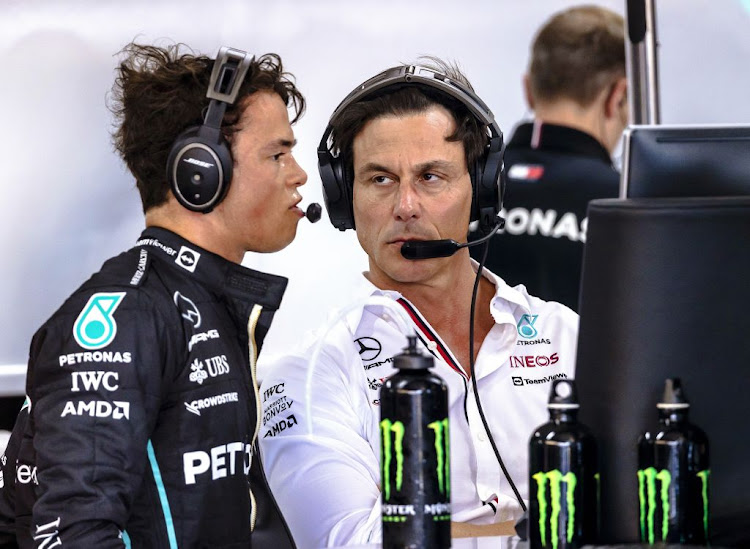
pixel 274 390
pixel 534 361
pixel 26 474
pixel 540 341
pixel 526 328
pixel 519 381
pixel 202 337
pixel 196 406
pixel 47 535
pixel 187 309
pixel 369 348
pixel 95 326
pixel 526 172
pixel 547 223
pixel 222 461
pixel 281 404
pixel 92 381
pixel 96 357
pixel 141 269
pixel 214 367
pixel 282 425
pixel 187 259
pixel 154 243
pixel 97 408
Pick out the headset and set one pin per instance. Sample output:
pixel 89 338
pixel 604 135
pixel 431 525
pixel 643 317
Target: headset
pixel 199 166
pixel 487 174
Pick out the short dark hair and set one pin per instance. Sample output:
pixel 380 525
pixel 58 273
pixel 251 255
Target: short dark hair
pixel 161 91
pixel 411 99
pixel 576 54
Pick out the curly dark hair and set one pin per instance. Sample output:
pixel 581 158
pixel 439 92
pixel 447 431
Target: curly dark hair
pixel 409 100
pixel 161 91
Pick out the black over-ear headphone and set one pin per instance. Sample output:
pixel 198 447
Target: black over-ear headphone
pixel 487 175
pixel 199 167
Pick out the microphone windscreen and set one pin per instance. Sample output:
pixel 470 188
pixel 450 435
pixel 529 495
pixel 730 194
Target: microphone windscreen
pixel 313 212
pixel 429 249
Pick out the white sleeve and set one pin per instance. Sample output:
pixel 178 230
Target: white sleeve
pixel 317 454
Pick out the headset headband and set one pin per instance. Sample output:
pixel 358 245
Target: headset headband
pixel 414 74
pixel 199 166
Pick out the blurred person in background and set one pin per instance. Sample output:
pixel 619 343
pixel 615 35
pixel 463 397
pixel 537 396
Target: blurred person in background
pixel 577 88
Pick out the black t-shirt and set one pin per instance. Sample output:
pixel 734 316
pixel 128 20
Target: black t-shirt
pixel 553 173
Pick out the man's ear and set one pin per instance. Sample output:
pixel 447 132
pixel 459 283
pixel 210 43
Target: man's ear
pixel 617 97
pixel 527 92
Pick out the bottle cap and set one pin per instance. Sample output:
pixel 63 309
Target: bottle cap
pixel 673 397
pixel 412 358
pixel 563 395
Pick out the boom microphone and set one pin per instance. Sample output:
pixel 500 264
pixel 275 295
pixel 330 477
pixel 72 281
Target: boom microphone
pixel 430 249
pixel 313 212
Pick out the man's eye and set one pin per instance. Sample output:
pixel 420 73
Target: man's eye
pixel 381 180
pixel 278 156
pixel 430 177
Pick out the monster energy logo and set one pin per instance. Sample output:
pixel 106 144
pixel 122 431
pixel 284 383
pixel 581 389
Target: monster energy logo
pixel 555 479
pixel 703 475
pixel 393 447
pixel 647 495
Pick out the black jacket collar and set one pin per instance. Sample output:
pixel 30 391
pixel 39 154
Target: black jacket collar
pixel 213 270
pixel 551 137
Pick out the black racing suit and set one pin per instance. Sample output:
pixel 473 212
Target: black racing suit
pixel 141 409
pixel 553 173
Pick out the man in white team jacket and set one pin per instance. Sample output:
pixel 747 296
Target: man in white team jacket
pixel 409 159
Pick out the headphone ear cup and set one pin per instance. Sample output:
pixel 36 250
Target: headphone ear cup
pixel 199 169
pixel 336 190
pixel 476 177
pixel 488 189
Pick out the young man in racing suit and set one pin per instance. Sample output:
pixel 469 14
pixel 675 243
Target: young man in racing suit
pixel 141 413
pixel 410 160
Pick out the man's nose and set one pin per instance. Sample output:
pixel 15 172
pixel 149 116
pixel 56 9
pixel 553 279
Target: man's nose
pixel 407 202
pixel 297 175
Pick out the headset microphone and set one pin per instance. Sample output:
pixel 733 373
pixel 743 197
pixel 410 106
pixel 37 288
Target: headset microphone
pixel 430 249
pixel 313 211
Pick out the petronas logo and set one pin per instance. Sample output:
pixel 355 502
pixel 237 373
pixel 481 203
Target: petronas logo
pixel 555 479
pixel 95 327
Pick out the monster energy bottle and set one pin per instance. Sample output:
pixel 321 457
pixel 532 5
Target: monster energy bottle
pixel 673 474
pixel 563 476
pixel 415 455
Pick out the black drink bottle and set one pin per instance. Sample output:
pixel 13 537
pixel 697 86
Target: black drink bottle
pixel 673 475
pixel 415 455
pixel 563 476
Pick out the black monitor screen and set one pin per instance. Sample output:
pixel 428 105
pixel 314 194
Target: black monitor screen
pixel 664 161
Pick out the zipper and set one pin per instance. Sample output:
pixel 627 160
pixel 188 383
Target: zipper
pixel 252 323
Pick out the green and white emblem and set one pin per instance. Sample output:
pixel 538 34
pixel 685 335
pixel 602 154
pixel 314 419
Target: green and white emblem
pixel 95 327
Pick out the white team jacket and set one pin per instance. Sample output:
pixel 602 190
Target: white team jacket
pixel 320 433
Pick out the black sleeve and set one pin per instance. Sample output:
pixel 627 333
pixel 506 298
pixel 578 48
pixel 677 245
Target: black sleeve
pixel 95 383
pixel 8 519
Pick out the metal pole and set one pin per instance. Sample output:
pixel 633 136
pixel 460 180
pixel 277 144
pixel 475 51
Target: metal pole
pixel 641 61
